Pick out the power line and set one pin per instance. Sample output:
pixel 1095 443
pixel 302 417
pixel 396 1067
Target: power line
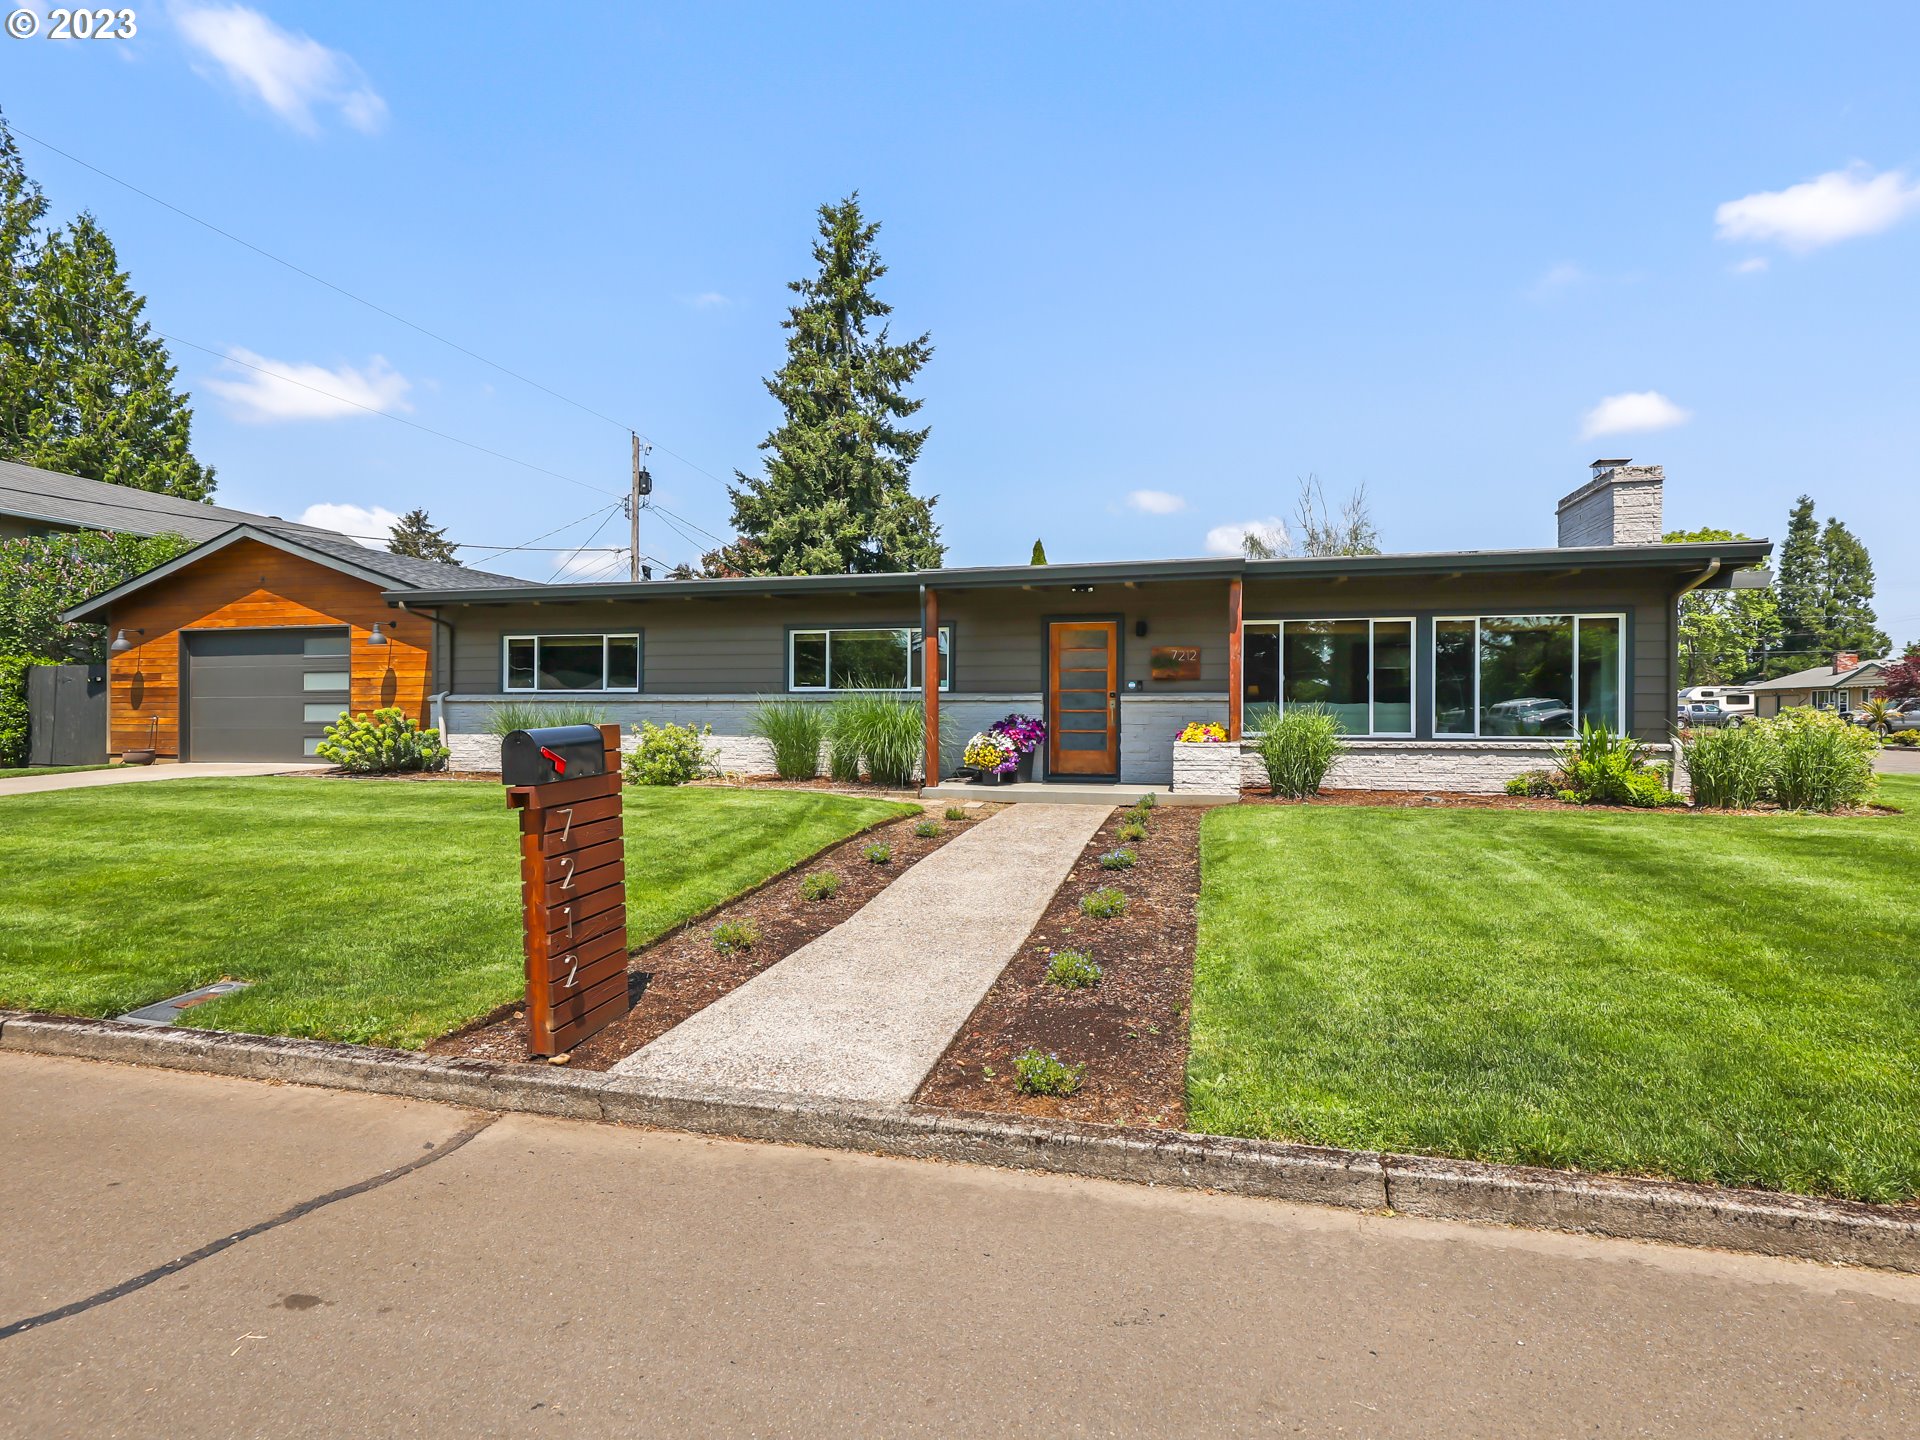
pixel 605 509
pixel 378 309
pixel 383 414
pixel 590 539
pixel 684 521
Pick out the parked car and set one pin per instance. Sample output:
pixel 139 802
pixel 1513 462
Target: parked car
pixel 1534 715
pixel 1899 715
pixel 1730 700
pixel 1698 713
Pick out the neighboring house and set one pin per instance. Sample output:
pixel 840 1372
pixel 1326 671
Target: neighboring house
pixel 46 502
pixel 1844 684
pixel 248 646
pixel 1450 670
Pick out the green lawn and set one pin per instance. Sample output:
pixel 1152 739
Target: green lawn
pixel 1715 998
pixel 375 912
pixel 17 772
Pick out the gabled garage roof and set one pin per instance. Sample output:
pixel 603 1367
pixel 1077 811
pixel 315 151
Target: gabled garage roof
pixel 392 573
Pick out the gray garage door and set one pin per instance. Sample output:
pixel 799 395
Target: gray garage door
pixel 263 694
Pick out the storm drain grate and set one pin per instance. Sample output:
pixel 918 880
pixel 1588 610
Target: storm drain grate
pixel 165 1012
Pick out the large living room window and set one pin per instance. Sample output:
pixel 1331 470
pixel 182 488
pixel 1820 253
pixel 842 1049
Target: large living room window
pixel 1527 674
pixel 852 657
pixel 1359 671
pixel 573 662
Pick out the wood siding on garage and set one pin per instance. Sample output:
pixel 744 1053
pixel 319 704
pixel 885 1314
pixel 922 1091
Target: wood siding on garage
pixel 251 586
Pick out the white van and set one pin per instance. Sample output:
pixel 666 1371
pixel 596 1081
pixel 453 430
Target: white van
pixel 1730 700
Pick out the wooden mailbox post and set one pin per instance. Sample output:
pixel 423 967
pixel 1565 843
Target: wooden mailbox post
pixel 565 782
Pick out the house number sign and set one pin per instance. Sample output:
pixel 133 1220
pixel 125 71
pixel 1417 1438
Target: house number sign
pixel 565 782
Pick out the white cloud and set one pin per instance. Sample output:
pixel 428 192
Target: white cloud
pixel 292 73
pixel 1155 502
pixel 262 391
pixel 1230 539
pixel 1752 265
pixel 369 524
pixel 707 300
pixel 1838 205
pixel 1563 276
pixel 1636 410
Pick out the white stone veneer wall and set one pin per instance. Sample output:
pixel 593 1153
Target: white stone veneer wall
pixel 736 751
pixel 1473 767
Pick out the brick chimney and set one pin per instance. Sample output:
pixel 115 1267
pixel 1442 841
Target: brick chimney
pixel 1845 660
pixel 1619 505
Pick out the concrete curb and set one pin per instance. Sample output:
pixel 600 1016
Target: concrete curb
pixel 1757 1221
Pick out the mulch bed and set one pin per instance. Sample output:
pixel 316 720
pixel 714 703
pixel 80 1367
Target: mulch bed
pixel 681 973
pixel 1130 1029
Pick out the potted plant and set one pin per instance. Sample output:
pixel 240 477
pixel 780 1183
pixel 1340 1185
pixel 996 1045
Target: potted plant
pixel 991 757
pixel 1026 734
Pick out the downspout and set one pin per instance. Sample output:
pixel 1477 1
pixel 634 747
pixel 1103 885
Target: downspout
pixel 1679 760
pixel 438 700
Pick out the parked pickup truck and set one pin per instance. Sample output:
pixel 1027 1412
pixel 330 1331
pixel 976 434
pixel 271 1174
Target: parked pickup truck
pixel 1697 713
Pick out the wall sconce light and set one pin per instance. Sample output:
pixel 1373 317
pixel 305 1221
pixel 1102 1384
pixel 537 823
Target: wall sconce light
pixel 1140 628
pixel 374 637
pixel 121 644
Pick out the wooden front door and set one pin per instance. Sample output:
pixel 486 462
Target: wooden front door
pixel 1083 697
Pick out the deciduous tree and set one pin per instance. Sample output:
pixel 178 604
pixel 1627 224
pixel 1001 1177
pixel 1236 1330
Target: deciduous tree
pixel 1724 633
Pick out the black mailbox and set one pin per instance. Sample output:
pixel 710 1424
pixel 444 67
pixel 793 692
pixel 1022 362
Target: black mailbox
pixel 558 752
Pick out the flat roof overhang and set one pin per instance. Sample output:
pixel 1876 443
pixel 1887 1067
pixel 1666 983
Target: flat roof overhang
pixel 1682 561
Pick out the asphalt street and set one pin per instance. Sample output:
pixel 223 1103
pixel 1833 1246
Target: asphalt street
pixel 190 1256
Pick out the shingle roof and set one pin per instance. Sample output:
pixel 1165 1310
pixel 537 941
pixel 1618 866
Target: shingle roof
pixel 1822 677
pixel 407 572
pixel 48 495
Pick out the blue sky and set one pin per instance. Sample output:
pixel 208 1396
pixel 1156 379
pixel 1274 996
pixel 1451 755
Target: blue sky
pixel 1192 251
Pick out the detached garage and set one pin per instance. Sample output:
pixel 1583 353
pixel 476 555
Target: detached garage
pixel 249 646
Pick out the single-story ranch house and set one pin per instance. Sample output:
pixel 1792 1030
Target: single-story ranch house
pixel 1452 670
pixel 1844 684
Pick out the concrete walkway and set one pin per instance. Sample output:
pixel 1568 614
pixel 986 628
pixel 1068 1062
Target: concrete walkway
pixel 135 774
pixel 863 1012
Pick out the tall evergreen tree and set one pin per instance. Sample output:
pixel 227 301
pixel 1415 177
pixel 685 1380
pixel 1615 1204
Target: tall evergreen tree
pixel 102 402
pixel 835 495
pixel 1847 571
pixel 1039 556
pixel 85 385
pixel 22 207
pixel 1799 589
pixel 414 534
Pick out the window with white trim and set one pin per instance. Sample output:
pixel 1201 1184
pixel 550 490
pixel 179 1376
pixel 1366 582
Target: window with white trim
pixel 1359 671
pixel 571 662
pixel 858 657
pixel 1528 675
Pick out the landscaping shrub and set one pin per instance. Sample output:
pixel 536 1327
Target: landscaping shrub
pixel 1534 782
pixel 1906 739
pixel 956 812
pixel 1072 970
pixel 878 854
pixel 505 719
pixel 13 708
pixel 1820 761
pixel 878 729
pixel 821 885
pixel 1104 903
pixel 1298 749
pixel 1133 831
pixel 1121 859
pixel 732 937
pixel 795 729
pixel 1731 767
pixel 1147 801
pixel 1599 767
pixel 669 755
pixel 927 829
pixel 386 742
pixel 1039 1072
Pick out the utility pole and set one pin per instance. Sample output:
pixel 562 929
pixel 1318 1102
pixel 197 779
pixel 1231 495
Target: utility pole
pixel 642 486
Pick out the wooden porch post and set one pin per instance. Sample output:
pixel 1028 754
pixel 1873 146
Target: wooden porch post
pixel 930 677
pixel 1236 689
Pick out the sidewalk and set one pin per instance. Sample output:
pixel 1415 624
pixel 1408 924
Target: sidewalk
pixel 136 774
pixel 863 1012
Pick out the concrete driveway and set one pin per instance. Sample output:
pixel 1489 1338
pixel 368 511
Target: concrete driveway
pixel 141 774
pixel 413 1269
pixel 1898 760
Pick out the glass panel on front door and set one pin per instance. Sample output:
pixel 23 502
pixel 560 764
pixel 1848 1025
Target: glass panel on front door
pixel 1083 685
